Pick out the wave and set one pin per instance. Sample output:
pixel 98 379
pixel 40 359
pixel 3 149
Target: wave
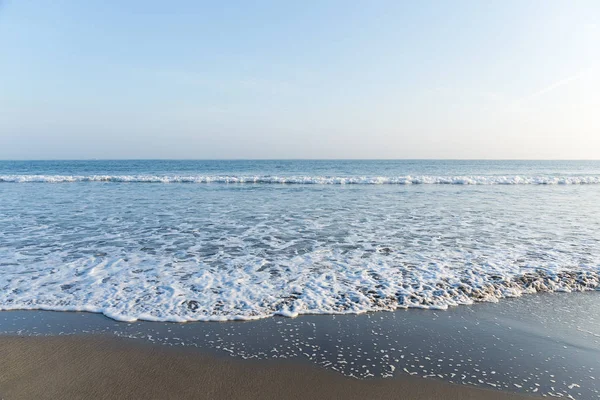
pixel 180 301
pixel 312 180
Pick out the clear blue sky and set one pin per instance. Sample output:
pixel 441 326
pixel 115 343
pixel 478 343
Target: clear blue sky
pixel 292 79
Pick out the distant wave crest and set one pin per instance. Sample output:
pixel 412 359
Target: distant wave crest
pixel 312 180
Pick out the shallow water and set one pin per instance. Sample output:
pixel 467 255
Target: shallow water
pixel 113 237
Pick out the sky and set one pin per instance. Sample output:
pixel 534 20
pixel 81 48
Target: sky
pixel 499 79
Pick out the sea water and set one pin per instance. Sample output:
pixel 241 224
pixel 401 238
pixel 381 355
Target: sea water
pixel 223 240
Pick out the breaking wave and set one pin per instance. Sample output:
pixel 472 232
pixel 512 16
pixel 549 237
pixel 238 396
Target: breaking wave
pixel 246 293
pixel 312 180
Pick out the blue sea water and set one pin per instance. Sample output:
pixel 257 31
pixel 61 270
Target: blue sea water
pixel 220 240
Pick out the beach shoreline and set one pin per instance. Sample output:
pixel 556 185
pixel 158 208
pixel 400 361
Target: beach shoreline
pixel 102 367
pixel 546 344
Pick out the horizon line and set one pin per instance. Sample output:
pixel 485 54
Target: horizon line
pixel 297 159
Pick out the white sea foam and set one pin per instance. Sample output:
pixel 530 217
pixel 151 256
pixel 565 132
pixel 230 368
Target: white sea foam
pixel 244 290
pixel 314 180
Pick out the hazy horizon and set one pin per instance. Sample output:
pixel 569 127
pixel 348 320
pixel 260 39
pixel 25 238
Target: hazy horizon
pixel 301 159
pixel 331 80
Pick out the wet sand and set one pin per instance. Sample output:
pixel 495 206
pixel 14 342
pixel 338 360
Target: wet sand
pixel 99 367
pixel 539 345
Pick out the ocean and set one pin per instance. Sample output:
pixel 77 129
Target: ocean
pixel 178 241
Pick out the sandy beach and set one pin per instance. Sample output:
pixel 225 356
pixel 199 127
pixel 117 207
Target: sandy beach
pixel 494 350
pixel 109 368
